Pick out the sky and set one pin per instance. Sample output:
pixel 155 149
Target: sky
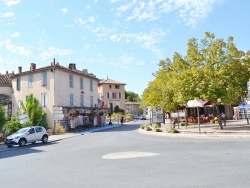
pixel 123 40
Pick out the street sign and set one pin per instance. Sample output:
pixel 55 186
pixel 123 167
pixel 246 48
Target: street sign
pixel 58 116
pixel 23 118
pixel 59 108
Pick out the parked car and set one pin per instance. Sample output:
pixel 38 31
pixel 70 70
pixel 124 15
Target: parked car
pixel 27 135
pixel 135 117
pixel 142 117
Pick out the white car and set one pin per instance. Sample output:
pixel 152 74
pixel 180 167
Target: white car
pixel 27 135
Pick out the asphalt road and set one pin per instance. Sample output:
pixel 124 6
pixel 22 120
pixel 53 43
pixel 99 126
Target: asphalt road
pixel 124 158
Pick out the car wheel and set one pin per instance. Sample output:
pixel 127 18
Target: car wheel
pixel 45 138
pixel 10 146
pixel 22 142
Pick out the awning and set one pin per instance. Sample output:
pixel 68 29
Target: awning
pixel 242 106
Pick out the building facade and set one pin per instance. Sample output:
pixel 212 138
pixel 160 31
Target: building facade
pixel 6 92
pixel 112 93
pixel 55 86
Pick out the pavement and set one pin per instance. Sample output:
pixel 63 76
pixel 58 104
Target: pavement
pixel 233 129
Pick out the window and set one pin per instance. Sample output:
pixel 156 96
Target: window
pixel 44 99
pixel 120 95
pixel 114 95
pixel 81 83
pixel 108 95
pixel 39 129
pixel 18 83
pixel 19 104
pixel 71 99
pixel 117 86
pixel 30 81
pixel 71 81
pixel 81 100
pixel 32 131
pixel 44 78
pixel 110 86
pixel 91 101
pixel 91 85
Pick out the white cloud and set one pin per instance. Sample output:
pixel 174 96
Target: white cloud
pixel 16 34
pixel 53 52
pixel 189 11
pixel 64 10
pixel 81 21
pixel 11 2
pixel 7 15
pixel 16 49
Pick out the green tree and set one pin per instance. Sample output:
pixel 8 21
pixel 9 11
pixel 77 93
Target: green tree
pixel 132 97
pixel 211 69
pixel 34 110
pixel 13 125
pixel 2 116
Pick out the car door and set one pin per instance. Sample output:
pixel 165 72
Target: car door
pixel 39 133
pixel 31 135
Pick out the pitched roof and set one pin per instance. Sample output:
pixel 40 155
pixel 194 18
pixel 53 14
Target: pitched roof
pixel 110 81
pixel 5 79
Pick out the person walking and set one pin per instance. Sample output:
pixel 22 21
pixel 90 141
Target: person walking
pixel 118 119
pixel 122 120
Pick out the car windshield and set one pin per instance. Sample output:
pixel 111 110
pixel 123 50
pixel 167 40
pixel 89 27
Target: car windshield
pixel 23 130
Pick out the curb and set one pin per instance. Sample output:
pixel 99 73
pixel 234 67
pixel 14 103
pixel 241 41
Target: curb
pixel 195 134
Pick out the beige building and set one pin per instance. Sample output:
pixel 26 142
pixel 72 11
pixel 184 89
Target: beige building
pixel 112 93
pixel 6 92
pixel 133 108
pixel 67 88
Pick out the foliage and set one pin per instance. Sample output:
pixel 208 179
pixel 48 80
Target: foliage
pixel 211 69
pixel 34 110
pixel 148 128
pixel 13 125
pixel 2 117
pixel 132 97
pixel 172 130
pixel 157 128
pixel 116 109
pixel 143 126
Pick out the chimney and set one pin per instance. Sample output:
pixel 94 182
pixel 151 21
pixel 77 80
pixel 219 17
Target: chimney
pixel 32 66
pixel 7 72
pixel 74 66
pixel 70 66
pixel 19 69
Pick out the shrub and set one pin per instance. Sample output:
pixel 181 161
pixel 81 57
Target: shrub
pixel 157 128
pixel 148 128
pixel 13 125
pixel 143 126
pixel 172 130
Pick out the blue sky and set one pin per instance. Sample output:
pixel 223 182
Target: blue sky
pixel 120 39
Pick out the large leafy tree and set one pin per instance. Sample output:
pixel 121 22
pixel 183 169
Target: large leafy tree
pixel 132 97
pixel 34 110
pixel 211 69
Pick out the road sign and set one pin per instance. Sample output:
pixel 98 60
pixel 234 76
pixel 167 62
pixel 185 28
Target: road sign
pixel 59 108
pixel 58 116
pixel 23 118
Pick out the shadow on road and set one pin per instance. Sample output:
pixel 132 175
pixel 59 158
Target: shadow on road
pixel 124 127
pixel 17 151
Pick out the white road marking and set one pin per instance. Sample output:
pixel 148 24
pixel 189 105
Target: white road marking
pixel 127 155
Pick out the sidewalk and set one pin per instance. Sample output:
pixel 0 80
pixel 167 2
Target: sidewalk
pixel 233 129
pixel 61 136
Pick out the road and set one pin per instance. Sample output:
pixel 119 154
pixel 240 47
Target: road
pixel 122 157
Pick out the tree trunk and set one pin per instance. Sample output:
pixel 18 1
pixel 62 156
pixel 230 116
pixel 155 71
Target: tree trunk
pixel 219 116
